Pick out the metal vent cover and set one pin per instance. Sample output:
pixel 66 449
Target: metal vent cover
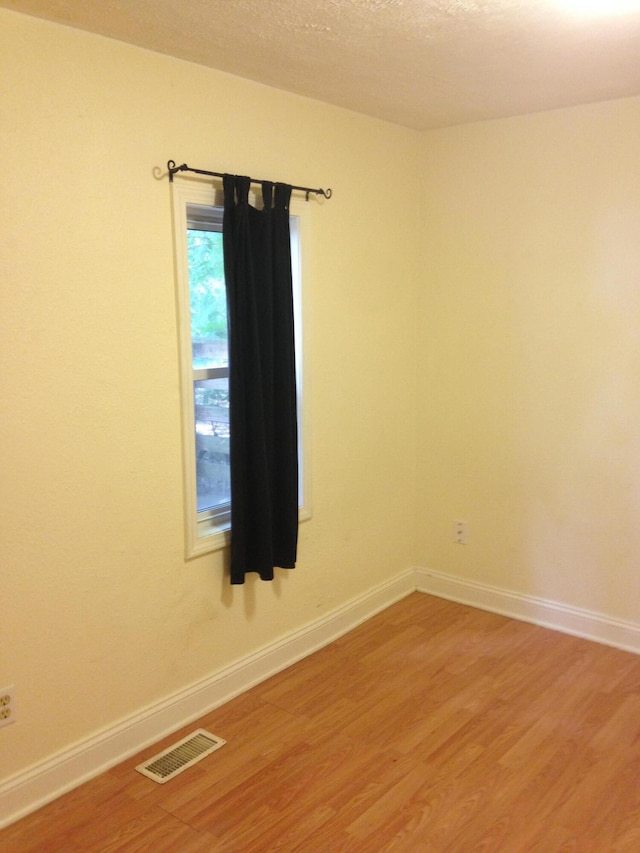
pixel 186 752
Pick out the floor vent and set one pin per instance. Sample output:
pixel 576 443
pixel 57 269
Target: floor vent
pixel 167 764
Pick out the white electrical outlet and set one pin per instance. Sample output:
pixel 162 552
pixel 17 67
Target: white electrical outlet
pixel 7 706
pixel 460 532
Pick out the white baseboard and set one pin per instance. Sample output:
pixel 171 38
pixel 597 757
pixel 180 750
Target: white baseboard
pixel 44 782
pixel 527 608
pixel 49 779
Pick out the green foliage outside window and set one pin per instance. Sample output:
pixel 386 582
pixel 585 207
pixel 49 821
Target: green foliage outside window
pixel 206 286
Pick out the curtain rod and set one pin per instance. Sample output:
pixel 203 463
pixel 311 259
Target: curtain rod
pixel 171 166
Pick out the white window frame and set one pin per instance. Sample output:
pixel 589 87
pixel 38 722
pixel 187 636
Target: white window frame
pixel 205 531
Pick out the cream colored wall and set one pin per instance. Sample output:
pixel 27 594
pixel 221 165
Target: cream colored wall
pixel 529 395
pixel 101 615
pixel 509 276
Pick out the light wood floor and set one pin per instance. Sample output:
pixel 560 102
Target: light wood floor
pixel 433 727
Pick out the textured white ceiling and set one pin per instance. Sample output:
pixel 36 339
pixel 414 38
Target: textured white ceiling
pixel 420 63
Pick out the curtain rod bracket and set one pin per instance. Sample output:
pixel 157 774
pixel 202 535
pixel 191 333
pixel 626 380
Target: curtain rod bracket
pixel 172 168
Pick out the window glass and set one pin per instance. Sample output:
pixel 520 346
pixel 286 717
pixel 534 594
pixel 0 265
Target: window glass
pixel 211 416
pixel 207 297
pixel 209 359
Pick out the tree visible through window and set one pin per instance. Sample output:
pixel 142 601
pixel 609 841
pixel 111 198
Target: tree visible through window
pixel 210 360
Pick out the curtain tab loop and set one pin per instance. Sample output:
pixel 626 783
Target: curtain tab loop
pixel 283 196
pixel 236 189
pixel 267 195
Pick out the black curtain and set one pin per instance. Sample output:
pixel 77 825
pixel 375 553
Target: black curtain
pixel 262 380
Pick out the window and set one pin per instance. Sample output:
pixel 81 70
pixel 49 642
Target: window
pixel 209 360
pixel 205 364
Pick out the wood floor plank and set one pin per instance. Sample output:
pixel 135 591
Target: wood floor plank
pixel 154 830
pixel 433 727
